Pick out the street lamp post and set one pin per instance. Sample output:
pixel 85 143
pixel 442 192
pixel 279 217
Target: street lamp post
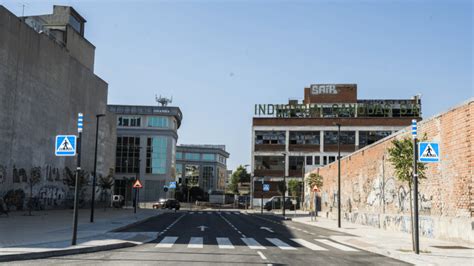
pixel 251 189
pixel 284 184
pixel 338 175
pixel 95 166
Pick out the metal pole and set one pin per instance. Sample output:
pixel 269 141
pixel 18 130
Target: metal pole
pixel 95 167
pixel 261 200
pixel 76 189
pixel 415 188
pixel 284 192
pixel 339 175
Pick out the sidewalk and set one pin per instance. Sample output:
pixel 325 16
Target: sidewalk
pixel 49 232
pixel 396 245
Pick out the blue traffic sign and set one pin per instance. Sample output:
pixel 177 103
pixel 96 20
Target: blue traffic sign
pixel 172 185
pixel 266 187
pixel 65 145
pixel 428 152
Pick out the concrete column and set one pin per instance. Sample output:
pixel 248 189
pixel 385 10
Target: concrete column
pixel 287 148
pixel 357 139
pixel 321 141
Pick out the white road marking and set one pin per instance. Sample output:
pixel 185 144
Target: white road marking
pixel 252 243
pixel 191 213
pixel 167 242
pixel 280 244
pixel 200 212
pixel 224 243
pixel 195 242
pixel 261 255
pixel 238 213
pixel 335 245
pixel 307 244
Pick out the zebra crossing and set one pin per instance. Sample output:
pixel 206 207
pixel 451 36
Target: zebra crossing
pixel 252 243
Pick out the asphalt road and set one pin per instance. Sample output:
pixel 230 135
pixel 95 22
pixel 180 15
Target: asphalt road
pixel 228 238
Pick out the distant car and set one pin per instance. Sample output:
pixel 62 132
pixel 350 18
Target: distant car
pixel 172 204
pixel 160 204
pixel 275 203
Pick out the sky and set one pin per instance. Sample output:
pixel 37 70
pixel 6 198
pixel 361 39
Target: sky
pixel 219 58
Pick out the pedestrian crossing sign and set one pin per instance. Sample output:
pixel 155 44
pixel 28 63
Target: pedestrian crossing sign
pixel 65 145
pixel 428 152
pixel 266 187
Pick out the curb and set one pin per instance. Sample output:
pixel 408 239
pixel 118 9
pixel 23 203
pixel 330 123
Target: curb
pixel 75 251
pixel 127 226
pixel 63 252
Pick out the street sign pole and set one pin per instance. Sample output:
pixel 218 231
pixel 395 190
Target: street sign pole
pixel 415 186
pixel 261 201
pixel 78 168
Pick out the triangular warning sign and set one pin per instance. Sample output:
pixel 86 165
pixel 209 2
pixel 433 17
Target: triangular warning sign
pixel 65 145
pixel 429 152
pixel 137 184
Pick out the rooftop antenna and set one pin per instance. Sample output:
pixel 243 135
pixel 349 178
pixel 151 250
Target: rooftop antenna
pixel 163 101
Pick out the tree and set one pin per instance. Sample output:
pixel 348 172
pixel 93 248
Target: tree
pixel 35 178
pixel 70 179
pixel 315 180
pixel 106 183
pixel 294 187
pixel 240 175
pixel 401 157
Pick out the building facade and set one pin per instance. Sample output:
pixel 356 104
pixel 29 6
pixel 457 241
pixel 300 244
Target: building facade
pixel 202 165
pixel 146 149
pixel 289 138
pixel 46 79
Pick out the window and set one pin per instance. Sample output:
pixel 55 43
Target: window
pixel 192 175
pixel 270 163
pixel 221 159
pixel 369 137
pixel 156 155
pixel 296 162
pixel 325 160
pixel 304 137
pixel 270 137
pixel 192 156
pixel 317 160
pixel 347 137
pixel 179 170
pixel 331 159
pixel 207 177
pixel 179 155
pixel 129 121
pixel 208 157
pixel 158 121
pixel 309 160
pixel 127 155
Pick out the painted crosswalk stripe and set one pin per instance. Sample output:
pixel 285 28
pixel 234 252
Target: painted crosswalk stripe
pixel 280 244
pixel 252 243
pixel 237 213
pixel 307 244
pixel 209 212
pixel 200 212
pixel 224 243
pixel 191 213
pixel 167 242
pixel 335 245
pixel 195 242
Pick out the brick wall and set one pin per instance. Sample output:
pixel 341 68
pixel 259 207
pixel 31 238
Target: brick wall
pixel 371 194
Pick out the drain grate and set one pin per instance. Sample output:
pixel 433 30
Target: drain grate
pixel 451 247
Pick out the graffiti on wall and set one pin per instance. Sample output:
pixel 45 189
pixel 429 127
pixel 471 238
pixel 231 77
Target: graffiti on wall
pixel 51 195
pixel 3 174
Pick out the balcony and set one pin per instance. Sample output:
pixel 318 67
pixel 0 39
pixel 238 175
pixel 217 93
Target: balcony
pixel 304 147
pixel 344 147
pixel 269 147
pixel 268 172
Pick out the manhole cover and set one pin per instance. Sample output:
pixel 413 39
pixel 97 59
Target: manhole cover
pixel 451 247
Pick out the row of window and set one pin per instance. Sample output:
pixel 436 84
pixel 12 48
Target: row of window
pixel 193 156
pixel 277 163
pixel 193 176
pixel 152 121
pixel 313 137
